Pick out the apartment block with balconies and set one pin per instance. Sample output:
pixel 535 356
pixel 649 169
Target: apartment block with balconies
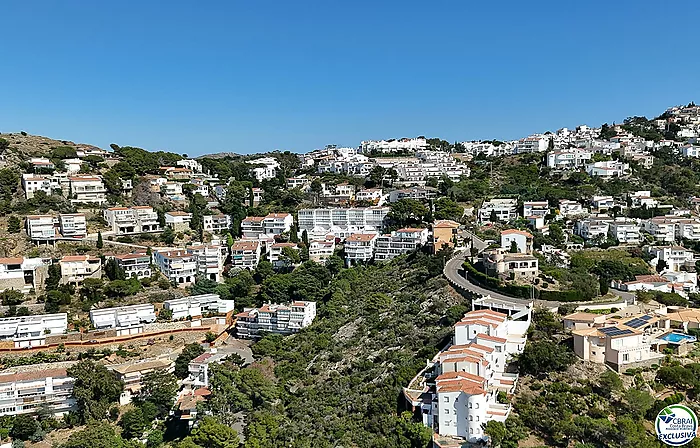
pixel 87 190
pixel 400 242
pixel 24 390
pixel 273 318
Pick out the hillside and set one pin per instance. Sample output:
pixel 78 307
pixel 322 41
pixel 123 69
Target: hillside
pixel 21 146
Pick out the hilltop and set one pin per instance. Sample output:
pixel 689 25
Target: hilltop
pixel 21 146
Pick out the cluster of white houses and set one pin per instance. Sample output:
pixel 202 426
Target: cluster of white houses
pixel 274 318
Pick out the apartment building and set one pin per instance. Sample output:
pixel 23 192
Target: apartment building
pixel 277 254
pixel 533 143
pixel 131 220
pixel 321 249
pixel 603 203
pixel 178 265
pixel 198 368
pixel 245 254
pixel 178 221
pixel 302 182
pixel 132 373
pixel 31 183
pixel 190 164
pixel 444 233
pixel 341 222
pixel 135 265
pixel 76 268
pixel 87 190
pixel 216 223
pixel 643 198
pixel 171 189
pixel 626 231
pixel 359 247
pixel 608 169
pixel 350 164
pixel 569 159
pixel 399 242
pixel 48 228
pixel 210 260
pixel 511 266
pixel 264 168
pixel 126 319
pixel 196 306
pixel 273 318
pixel 179 173
pixel 23 274
pixel 523 240
pixel 31 331
pixel 502 209
pixel 24 389
pixel 458 393
pixel 272 224
pixel 372 195
pixel 417 193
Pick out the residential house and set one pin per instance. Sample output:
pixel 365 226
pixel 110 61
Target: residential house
pixel 194 307
pixel 131 220
pixel 444 234
pixel 31 331
pixel 210 259
pixel 520 267
pixel 570 209
pixel 535 208
pixel 498 209
pixel 216 223
pixel 23 274
pixel 522 240
pixel 417 193
pixel 675 258
pixel 608 169
pixel 76 268
pixel 273 318
pixel 264 168
pixel 48 228
pixel 126 319
pixel 278 258
pixel 178 221
pixel 179 266
pixel 31 183
pixel 135 265
pixel 643 199
pixel 626 231
pixel 569 159
pixel 132 373
pixel 321 249
pixel 72 225
pixel 372 195
pixel 87 189
pixel 603 203
pixel 581 320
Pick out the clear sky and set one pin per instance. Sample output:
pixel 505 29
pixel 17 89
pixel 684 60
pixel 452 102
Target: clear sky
pixel 207 76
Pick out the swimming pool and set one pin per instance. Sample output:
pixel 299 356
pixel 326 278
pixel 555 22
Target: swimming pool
pixel 678 338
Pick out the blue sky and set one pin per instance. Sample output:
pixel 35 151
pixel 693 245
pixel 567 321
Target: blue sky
pixel 199 77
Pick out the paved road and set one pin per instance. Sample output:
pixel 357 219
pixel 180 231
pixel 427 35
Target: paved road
pixel 478 242
pixel 451 271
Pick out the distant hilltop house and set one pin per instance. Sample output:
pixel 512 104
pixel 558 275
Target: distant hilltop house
pixel 398 145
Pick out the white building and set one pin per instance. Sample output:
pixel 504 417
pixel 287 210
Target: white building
pixel 626 231
pixel 661 228
pixel 321 249
pixel 87 189
pixel 135 265
pixel 272 224
pixel 23 274
pixel 523 240
pixel 417 193
pixel 603 203
pixel 191 164
pixel 198 368
pixel 31 331
pixel 126 319
pixel 359 247
pixel 178 265
pixel 196 306
pixel 76 268
pixel 216 223
pixel 470 374
pixel 264 168
pixel 643 198
pixel 533 143
pixel 369 195
pixel 48 228
pixel 27 388
pixel 245 254
pixel 569 208
pixel 504 210
pixel 31 183
pixel 341 222
pixel 272 318
pixel 535 208
pixel 591 228
pixel 400 242
pixel 210 260
pixel 178 221
pixel 608 169
pixel 130 220
pixel 675 257
pixel 569 159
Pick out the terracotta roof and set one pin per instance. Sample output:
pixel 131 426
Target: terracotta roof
pixel 582 317
pixel 516 232
pixel 445 223
pixel 177 213
pixel 11 260
pixel 245 245
pixel 284 245
pixel 35 375
pixel 410 230
pixel 277 215
pixel 358 237
pixel 490 338
pixel 79 258
pixel 254 219
pixel 85 179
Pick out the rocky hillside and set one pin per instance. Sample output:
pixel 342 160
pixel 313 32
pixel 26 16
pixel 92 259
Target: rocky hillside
pixel 22 146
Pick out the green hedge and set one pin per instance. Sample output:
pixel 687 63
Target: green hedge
pixel 497 285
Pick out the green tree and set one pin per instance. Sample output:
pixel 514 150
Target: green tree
pixel 100 244
pixel 11 297
pixel 23 427
pixel 113 271
pixel 54 277
pixel 91 290
pixel 160 388
pixel 167 236
pixel 406 211
pixel 155 439
pixel 13 224
pixel 542 357
pixel 411 434
pixel 188 353
pixel 95 389
pixel 95 435
pixel 263 270
pixel 446 208
pixel 212 434
pixel 496 431
pixel 334 264
pixel 133 423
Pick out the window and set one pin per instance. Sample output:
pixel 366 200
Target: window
pixel 447 411
pixel 470 405
pixel 477 418
pixel 446 399
pixel 626 357
pixel 476 405
pixel 471 418
pixel 471 431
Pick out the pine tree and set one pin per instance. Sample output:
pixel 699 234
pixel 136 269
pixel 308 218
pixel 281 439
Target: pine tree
pixel 100 244
pixel 13 224
pixel 293 235
pixel 305 238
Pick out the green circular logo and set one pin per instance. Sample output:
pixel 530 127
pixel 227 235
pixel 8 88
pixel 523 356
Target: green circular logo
pixel 676 425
